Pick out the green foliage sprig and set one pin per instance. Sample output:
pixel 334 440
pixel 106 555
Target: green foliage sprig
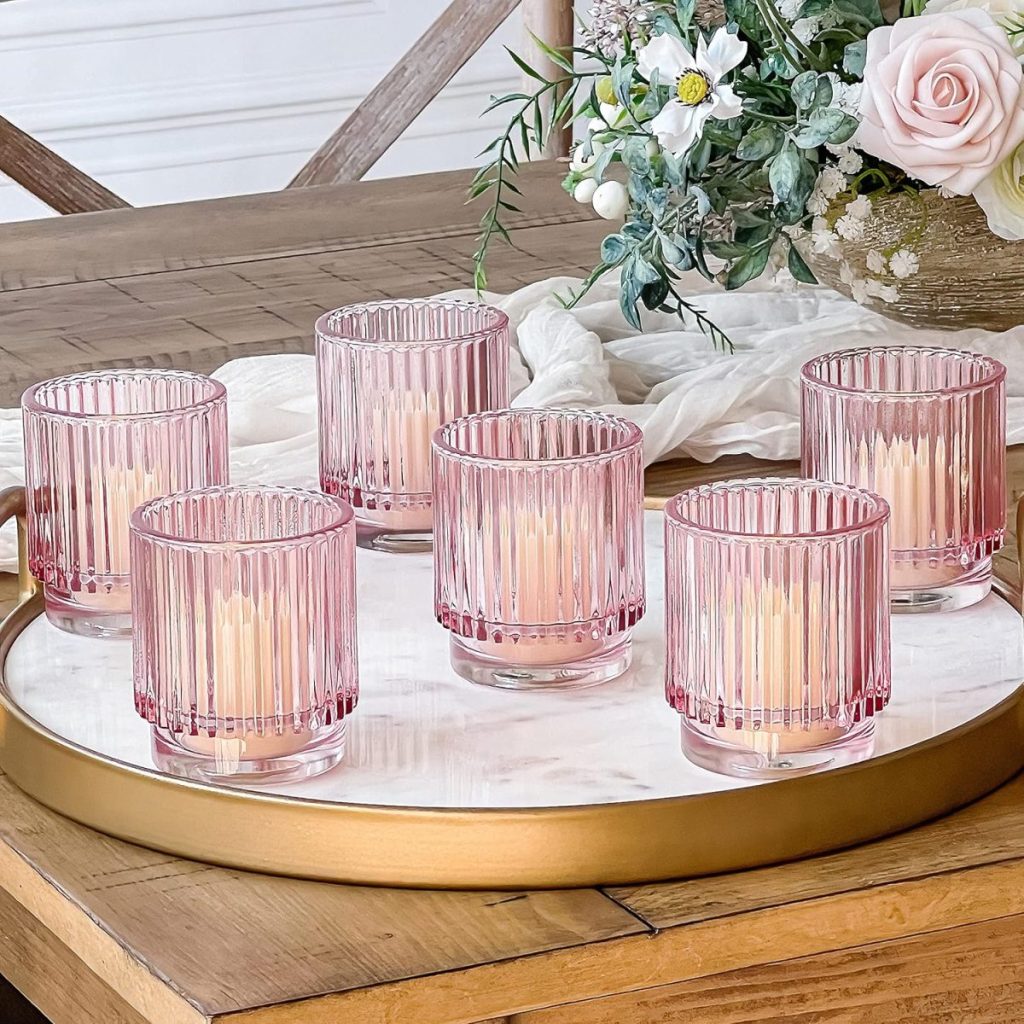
pixel 738 195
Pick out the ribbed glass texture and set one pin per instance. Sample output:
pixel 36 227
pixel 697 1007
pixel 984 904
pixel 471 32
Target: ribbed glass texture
pixel 96 445
pixel 244 618
pixel 539 530
pixel 390 373
pixel 926 429
pixel 777 612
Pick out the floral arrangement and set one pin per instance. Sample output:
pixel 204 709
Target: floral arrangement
pixel 736 137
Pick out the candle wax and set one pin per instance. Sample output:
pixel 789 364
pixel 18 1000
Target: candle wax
pixel 246 654
pixel 542 564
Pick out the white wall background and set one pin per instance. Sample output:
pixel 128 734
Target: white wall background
pixel 169 100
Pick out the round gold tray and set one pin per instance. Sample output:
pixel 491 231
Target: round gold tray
pixel 446 785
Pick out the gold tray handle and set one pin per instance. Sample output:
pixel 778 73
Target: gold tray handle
pixel 13 505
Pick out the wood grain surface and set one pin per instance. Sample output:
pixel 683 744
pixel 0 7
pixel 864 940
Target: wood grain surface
pixel 925 926
pixel 404 92
pixel 49 177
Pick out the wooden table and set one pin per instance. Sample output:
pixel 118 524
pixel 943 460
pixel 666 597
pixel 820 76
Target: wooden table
pixel 924 927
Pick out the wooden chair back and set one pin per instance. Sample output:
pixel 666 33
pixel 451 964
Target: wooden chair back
pixel 369 131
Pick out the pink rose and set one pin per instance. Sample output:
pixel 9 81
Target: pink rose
pixel 942 98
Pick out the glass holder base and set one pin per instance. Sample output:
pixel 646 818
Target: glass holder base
pixel 536 665
pixel 759 754
pixel 974 586
pixel 99 616
pixel 250 762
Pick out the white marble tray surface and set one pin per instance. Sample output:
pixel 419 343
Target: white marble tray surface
pixel 423 737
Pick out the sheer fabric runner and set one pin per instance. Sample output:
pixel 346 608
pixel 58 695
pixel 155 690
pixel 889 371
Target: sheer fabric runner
pixel 690 399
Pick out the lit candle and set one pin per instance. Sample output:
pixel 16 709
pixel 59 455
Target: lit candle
pixel 776 637
pixel 400 439
pixel 541 562
pixel 242 653
pixel 917 480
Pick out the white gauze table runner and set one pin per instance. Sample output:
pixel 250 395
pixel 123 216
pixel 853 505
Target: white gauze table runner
pixel 688 398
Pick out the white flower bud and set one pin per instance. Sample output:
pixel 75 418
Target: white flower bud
pixel 584 191
pixel 612 114
pixel 579 162
pixel 611 200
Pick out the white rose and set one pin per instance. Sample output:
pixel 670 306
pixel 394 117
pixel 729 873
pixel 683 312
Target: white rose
pixel 1004 13
pixel 611 200
pixel 1001 196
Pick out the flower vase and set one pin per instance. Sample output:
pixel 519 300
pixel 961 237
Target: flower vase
pixel 967 276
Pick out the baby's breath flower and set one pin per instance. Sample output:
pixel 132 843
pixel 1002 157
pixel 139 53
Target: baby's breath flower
pixel 849 227
pixel 825 243
pixel 789 9
pixel 805 29
pixel 859 291
pixel 831 182
pixel 817 202
pixel 850 162
pixel 859 208
pixel 904 263
pixel 875 261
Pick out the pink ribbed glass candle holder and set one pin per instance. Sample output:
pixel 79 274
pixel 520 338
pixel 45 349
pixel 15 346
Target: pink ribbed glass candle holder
pixel 539 549
pixel 96 445
pixel 245 630
pixel 777 618
pixel 390 373
pixel 926 429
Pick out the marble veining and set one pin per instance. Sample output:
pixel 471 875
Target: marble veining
pixel 421 736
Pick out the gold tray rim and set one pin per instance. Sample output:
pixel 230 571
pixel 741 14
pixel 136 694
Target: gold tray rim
pixel 625 843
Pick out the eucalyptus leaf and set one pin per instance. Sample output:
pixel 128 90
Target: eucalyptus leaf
pixel 822 92
pixel 798 267
pixel 845 131
pixel 642 270
pixel 759 143
pixel 673 167
pixel 638 230
pixel 614 249
pixel 634 156
pixel 803 89
pixel 820 127
pixel 665 25
pixel 669 250
pixel 655 293
pixel 726 250
pixel 748 267
pixel 784 173
pixel 854 57
pixel 601 164
pixel 684 12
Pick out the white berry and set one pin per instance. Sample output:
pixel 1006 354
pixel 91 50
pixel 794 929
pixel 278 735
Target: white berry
pixel 584 191
pixel 611 200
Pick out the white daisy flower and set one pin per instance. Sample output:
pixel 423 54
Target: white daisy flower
pixel 698 90
pixel 904 263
